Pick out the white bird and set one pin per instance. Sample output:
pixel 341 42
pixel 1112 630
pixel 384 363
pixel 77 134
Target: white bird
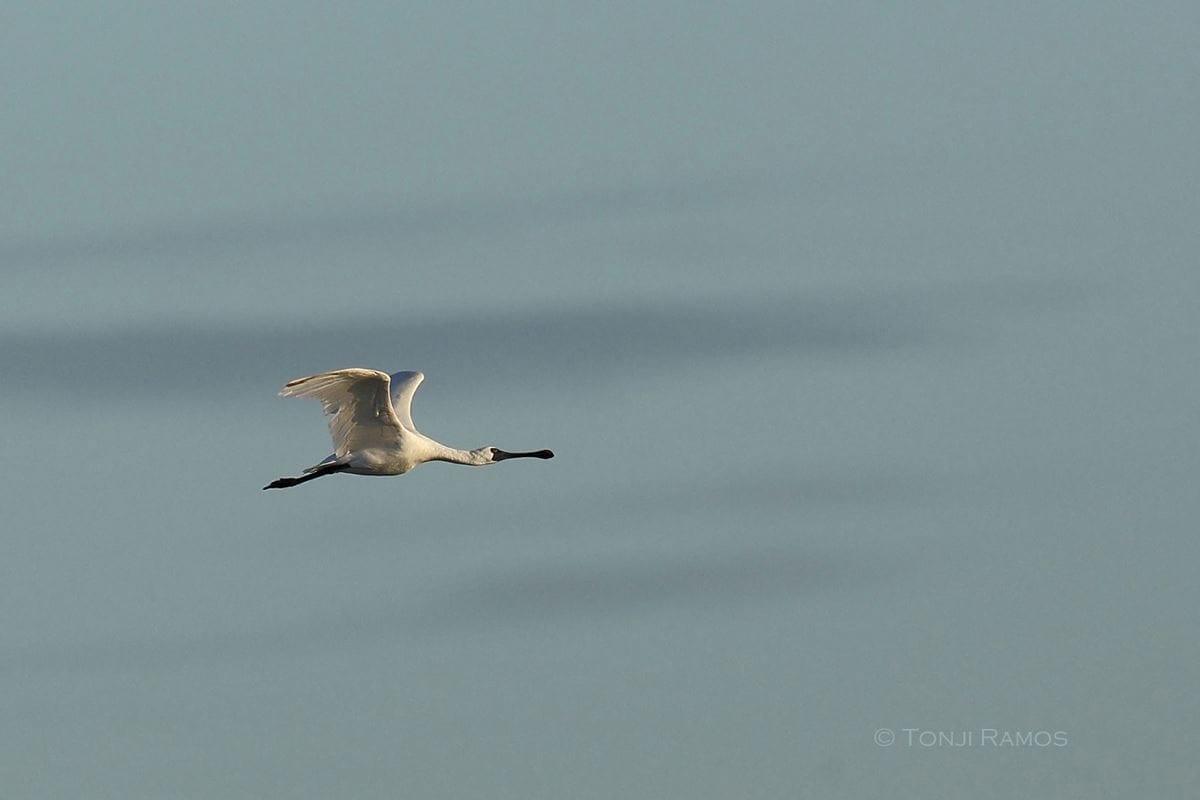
pixel 371 424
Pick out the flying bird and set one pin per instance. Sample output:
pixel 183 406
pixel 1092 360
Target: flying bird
pixel 370 420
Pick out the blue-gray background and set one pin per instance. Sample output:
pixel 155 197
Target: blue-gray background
pixel 865 334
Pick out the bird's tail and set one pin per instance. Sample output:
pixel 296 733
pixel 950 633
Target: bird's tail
pixel 327 460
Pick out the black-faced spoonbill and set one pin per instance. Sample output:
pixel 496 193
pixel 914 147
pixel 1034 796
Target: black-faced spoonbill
pixel 372 428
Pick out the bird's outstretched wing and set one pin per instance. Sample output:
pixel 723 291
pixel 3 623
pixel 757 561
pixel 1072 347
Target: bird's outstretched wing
pixel 358 405
pixel 404 385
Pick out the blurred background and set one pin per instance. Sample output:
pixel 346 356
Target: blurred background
pixel 865 336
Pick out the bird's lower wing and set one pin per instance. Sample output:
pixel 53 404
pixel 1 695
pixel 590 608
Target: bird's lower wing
pixel 358 406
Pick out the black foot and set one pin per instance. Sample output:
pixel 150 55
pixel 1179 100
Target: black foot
pixel 281 483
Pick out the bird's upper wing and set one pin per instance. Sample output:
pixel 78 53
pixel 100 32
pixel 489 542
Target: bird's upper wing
pixel 357 404
pixel 404 385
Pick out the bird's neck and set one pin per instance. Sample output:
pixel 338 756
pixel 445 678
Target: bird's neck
pixel 471 458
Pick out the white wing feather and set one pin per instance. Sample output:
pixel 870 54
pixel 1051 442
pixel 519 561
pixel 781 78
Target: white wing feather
pixel 358 405
pixel 404 386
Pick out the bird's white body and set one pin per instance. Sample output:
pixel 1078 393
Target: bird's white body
pixel 370 420
pixel 399 460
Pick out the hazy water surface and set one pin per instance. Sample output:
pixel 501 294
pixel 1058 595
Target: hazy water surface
pixel 864 340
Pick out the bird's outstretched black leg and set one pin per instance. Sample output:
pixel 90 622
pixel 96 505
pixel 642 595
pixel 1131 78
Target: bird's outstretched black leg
pixel 285 483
